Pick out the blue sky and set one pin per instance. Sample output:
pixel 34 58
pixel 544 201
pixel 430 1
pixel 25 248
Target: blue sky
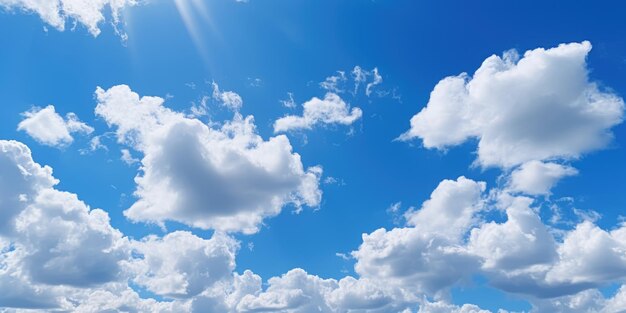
pixel 556 122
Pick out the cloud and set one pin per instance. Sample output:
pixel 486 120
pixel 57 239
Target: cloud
pixel 298 291
pixel 539 107
pixel 377 80
pixel 56 13
pixel 538 178
pixel 451 209
pixel 229 99
pixel 60 240
pixel 360 77
pixel 334 83
pixel 51 243
pixel 182 265
pixel 330 110
pixel 228 179
pixel 428 257
pixel 520 242
pixel 128 158
pixel 47 127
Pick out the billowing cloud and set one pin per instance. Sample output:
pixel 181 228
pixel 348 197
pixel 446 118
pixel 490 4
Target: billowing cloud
pixel 56 13
pixel 451 209
pixel 328 111
pixel 228 178
pixel 428 257
pixel 520 242
pixel 182 265
pixel 538 107
pixel 50 238
pixel 47 127
pixel 538 178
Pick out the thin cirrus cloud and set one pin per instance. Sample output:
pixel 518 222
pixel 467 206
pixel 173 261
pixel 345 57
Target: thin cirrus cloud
pixel 47 127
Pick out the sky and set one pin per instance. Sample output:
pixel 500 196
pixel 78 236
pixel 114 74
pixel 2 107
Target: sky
pixel 312 156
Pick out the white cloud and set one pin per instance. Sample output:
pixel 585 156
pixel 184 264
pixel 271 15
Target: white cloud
pixel 429 257
pixel 590 255
pixel 298 291
pixel 89 13
pixel 128 158
pixel 229 99
pixel 334 84
pixel 182 265
pixel 538 178
pixel 295 291
pixel 451 209
pixel 539 107
pixel 228 179
pixel 52 245
pixel 520 242
pixel 49 128
pixel 330 110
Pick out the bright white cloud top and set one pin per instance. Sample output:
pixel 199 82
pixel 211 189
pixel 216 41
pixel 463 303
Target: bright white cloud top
pixel 48 127
pixel 226 178
pixel 538 107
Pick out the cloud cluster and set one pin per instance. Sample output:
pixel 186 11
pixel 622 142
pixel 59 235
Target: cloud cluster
pixel 226 178
pixel 538 107
pixel 56 13
pixel 57 253
pixel 47 127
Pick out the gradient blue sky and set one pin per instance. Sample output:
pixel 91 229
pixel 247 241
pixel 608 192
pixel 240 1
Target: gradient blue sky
pixel 265 49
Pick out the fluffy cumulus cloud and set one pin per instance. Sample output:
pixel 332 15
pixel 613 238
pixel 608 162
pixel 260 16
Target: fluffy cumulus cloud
pixel 50 238
pixel 328 111
pixel 451 209
pixel 520 242
pixel 430 256
pixel 228 178
pixel 537 107
pixel 538 178
pixel 48 127
pixel 56 13
pixel 182 265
